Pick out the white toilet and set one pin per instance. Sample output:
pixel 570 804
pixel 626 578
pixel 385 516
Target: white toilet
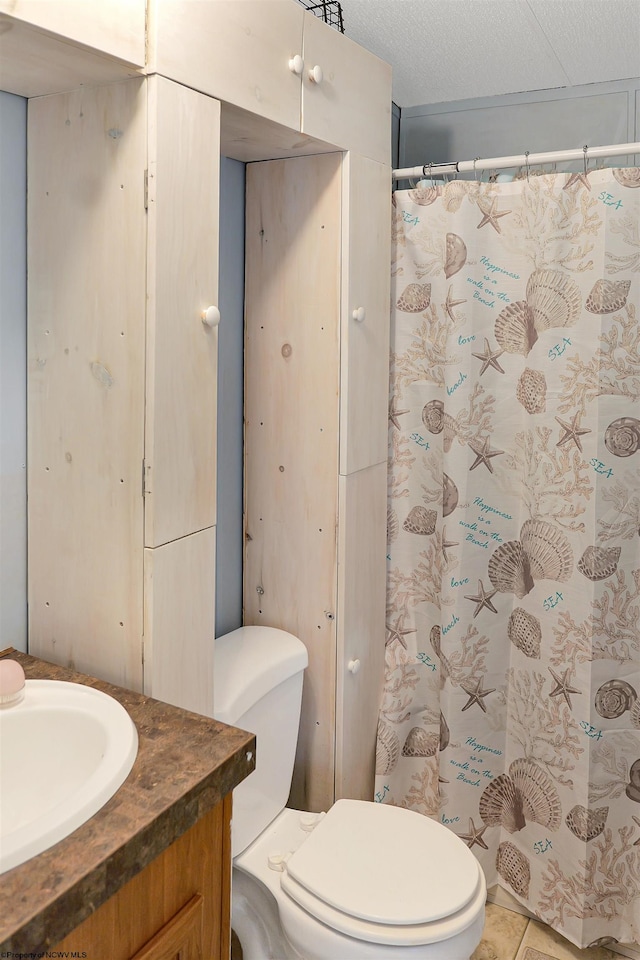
pixel 365 881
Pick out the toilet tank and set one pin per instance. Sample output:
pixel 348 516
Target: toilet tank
pixel 257 686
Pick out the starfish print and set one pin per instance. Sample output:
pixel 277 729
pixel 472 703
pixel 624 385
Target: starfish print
pixel 447 543
pixel 581 177
pixel 475 693
pixel 483 599
pixel 397 633
pixel 491 215
pixel 571 432
pixel 483 453
pixel 635 819
pixel 475 834
pixel 562 688
pixel 489 358
pixel 394 413
pixel 450 303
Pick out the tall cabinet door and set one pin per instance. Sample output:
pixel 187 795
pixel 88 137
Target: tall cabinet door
pixel 180 422
pixel 182 276
pixel 86 291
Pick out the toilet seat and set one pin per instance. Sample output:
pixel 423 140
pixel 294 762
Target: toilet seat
pixel 361 872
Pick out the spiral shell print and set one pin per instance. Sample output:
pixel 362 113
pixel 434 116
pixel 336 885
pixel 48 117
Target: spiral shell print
pixel 421 521
pixel 424 196
pixel 614 697
pixel 598 563
pixel 607 296
pixel 432 416
pixel 627 177
pixel 531 390
pixel 415 298
pixel 586 824
pixel 513 867
pixel 525 632
pixel 622 436
pixel 420 743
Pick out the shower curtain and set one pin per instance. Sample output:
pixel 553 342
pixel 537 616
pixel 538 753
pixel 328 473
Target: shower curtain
pixel 511 708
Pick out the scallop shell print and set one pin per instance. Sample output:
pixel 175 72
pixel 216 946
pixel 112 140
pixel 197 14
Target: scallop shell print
pixel 607 296
pixel 444 733
pixel 415 298
pixel 614 698
pixel 524 794
pixel 514 329
pixel 455 255
pixel 531 390
pixel 549 552
pixel 542 553
pixel 525 632
pixel 628 176
pixel 554 299
pixel 598 563
pixel 513 867
pixel 387 749
pixel 586 824
pixel 622 437
pixel 421 521
pixel 419 743
pixel 453 194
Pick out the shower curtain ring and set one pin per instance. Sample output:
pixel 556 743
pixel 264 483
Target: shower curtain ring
pixel 475 172
pixel 526 163
pixel 431 173
pixel 584 150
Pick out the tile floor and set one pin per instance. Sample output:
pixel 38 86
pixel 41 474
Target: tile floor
pixel 510 936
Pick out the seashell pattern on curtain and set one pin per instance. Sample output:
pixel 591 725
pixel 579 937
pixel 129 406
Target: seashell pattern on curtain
pixel 510 710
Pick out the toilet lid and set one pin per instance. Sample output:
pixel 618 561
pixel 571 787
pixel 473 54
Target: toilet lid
pixel 383 864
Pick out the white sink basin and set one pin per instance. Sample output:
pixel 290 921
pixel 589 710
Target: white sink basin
pixel 64 751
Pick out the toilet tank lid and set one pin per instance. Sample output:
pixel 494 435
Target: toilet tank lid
pixel 248 663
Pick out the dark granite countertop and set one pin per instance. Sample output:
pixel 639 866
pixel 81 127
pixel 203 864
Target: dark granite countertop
pixel 186 764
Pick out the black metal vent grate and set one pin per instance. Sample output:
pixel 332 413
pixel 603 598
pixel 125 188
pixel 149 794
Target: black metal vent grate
pixel 328 10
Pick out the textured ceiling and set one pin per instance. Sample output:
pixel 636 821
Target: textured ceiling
pixel 457 49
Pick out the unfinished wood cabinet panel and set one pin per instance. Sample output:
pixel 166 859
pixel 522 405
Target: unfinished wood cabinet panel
pixel 181 898
pixel 361 618
pixel 113 27
pixel 35 63
pixel 235 50
pixel 364 376
pixel 179 621
pixel 351 106
pixel 86 291
pixel 291 417
pixel 182 273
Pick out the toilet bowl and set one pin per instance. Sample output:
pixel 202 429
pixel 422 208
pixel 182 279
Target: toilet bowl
pixel 364 881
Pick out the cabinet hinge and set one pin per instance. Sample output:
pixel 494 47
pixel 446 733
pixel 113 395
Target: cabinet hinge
pixel 146 487
pixel 146 189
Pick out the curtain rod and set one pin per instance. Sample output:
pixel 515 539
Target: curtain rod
pixel 520 160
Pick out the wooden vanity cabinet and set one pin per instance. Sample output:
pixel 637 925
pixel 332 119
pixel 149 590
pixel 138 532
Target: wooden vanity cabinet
pixel 122 384
pixel 177 907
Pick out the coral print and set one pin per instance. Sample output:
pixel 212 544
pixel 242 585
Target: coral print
pixel 510 700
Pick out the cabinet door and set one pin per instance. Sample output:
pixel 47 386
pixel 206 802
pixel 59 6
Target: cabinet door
pixel 351 106
pixel 182 277
pixel 235 50
pixel 179 621
pixel 291 422
pixel 364 374
pixel 114 27
pixel 86 293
